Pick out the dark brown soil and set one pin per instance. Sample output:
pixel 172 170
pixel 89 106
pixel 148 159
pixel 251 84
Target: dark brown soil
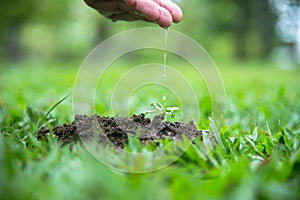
pixel 117 130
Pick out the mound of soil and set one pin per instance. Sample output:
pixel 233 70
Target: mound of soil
pixel 118 129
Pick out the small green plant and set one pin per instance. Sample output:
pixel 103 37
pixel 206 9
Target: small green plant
pixel 161 110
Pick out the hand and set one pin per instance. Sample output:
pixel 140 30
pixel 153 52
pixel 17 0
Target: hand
pixel 163 12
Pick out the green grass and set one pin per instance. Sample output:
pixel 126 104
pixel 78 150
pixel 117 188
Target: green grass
pixel 257 157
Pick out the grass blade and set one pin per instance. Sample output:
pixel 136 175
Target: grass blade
pixel 55 105
pixel 217 134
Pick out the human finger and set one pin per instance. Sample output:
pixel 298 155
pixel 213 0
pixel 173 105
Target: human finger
pixel 154 12
pixel 163 13
pixel 173 8
pixel 149 8
pixel 165 18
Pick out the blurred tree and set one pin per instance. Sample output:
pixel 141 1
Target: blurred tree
pixel 242 27
pixel 266 21
pixel 254 17
pixel 16 16
pixel 13 16
pixel 245 28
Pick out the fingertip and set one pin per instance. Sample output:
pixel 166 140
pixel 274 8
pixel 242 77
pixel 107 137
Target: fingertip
pixel 149 9
pixel 177 14
pixel 173 9
pixel 165 18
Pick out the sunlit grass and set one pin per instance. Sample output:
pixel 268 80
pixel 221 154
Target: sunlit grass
pixel 258 156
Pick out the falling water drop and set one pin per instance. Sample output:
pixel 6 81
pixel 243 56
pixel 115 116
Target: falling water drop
pixel 165 52
pixel 164 98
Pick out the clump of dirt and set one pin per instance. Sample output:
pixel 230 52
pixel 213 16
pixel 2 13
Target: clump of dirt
pixel 117 130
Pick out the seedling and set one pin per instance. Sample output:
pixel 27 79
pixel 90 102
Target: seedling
pixel 161 110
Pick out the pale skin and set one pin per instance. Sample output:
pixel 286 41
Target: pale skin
pixel 162 12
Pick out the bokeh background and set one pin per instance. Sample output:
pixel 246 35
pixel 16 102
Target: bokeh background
pixel 51 31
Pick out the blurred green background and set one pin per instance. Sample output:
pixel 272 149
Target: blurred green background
pixel 43 44
pixel 51 31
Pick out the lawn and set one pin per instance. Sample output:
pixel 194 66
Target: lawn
pixel 257 155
